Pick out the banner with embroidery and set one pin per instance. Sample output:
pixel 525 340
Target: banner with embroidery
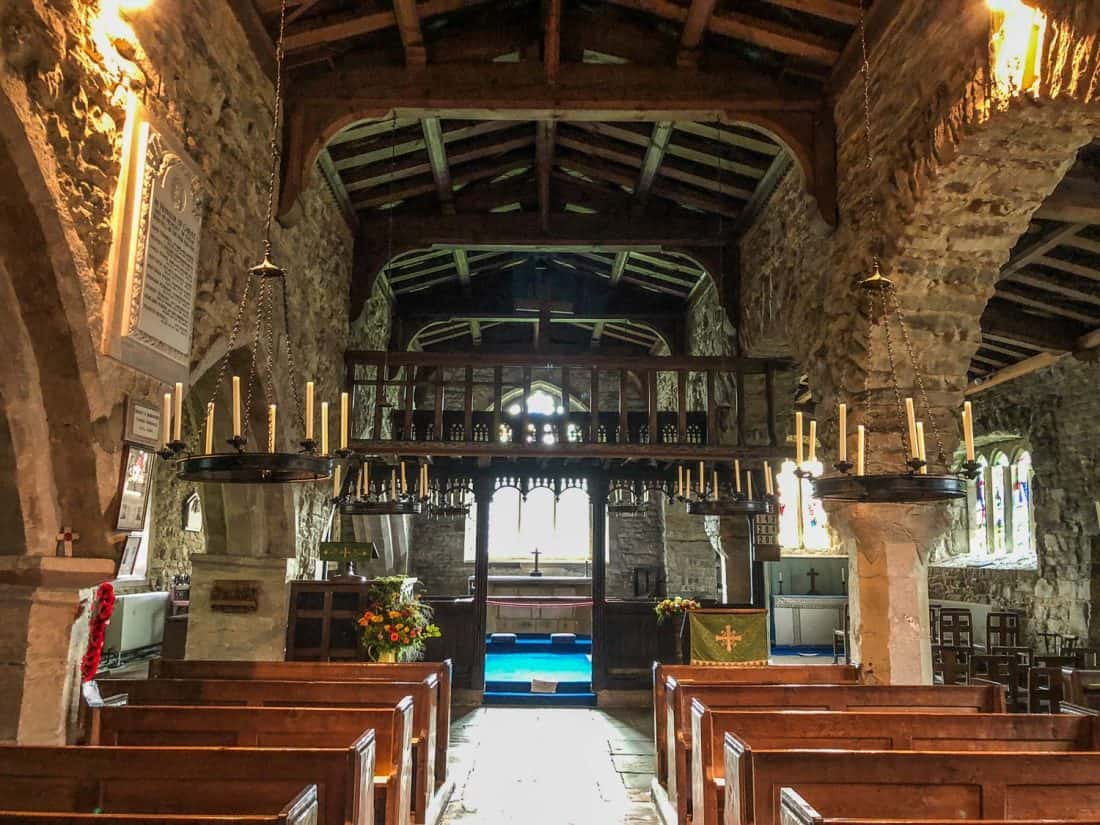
pixel 735 638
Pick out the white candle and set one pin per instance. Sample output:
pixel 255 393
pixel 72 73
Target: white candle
pixel 209 427
pixel 968 430
pixel 912 419
pixel 177 429
pixel 813 440
pixel 798 439
pixel 861 436
pixel 680 480
pixel 687 485
pixel 920 447
pixel 702 479
pixel 324 428
pixel 271 428
pixel 842 442
pixel 737 474
pixel 364 481
pixel 768 482
pixel 843 574
pixel 309 410
pixel 781 577
pixel 236 405
pixel 404 480
pixel 393 484
pixel 344 422
pixel 336 481
pixel 166 420
pixel 714 483
pixel 748 483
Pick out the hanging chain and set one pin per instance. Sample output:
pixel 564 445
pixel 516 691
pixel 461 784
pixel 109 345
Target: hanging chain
pixel 246 421
pixel 236 331
pixel 894 374
pixel 276 122
pixel 865 70
pixel 918 375
pixel 269 345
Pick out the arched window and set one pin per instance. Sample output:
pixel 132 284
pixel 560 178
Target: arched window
pixel 802 519
pixel 979 511
pixel 1022 530
pixel 558 528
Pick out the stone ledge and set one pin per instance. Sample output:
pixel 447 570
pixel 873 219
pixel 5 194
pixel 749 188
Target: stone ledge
pixel 55 572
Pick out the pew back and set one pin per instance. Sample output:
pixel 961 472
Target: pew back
pixel 1081 687
pixel 190 780
pixel 926 785
pixel 257 693
pixel 767 675
pixel 778 730
pixel 301 810
pixel 128 725
pixel 327 672
pixel 796 810
pixel 866 698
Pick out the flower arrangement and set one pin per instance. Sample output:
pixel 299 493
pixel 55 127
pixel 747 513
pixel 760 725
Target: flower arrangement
pixel 102 606
pixel 395 626
pixel 674 607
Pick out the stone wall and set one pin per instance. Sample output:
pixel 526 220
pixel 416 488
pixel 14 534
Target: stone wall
pixel 691 561
pixel 1056 412
pixel 632 542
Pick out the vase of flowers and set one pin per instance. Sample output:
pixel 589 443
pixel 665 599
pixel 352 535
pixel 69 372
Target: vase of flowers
pixel 678 607
pixel 395 624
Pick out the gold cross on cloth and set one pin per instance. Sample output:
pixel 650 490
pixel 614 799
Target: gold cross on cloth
pixel 728 638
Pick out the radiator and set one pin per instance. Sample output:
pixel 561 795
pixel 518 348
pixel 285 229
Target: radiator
pixel 137 622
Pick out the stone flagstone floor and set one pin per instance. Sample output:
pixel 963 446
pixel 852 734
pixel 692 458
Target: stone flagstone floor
pixel 552 766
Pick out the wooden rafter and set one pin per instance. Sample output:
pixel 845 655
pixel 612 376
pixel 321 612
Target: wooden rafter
pixel 1034 251
pixel 1046 285
pixel 691 37
pixel 437 157
pixel 551 49
pixel 836 10
pixel 544 151
pixel 1070 267
pixel 655 153
pixel 1076 200
pixel 619 266
pixel 1007 325
pixel 462 265
pixel 311 35
pixel 412 38
pixel 1045 306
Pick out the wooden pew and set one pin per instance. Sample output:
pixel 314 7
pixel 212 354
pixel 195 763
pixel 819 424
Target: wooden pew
pixel 921 784
pixel 803 730
pixel 204 781
pixel 1081 687
pixel 129 725
pixel 301 810
pixel 768 675
pixel 327 672
pixel 427 804
pixel 868 698
pixel 795 810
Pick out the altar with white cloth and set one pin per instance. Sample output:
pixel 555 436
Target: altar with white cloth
pixel 806 620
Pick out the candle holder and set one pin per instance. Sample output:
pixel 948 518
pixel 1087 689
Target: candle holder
pixel 971 469
pixel 915 464
pixel 309 445
pixel 800 473
pixel 254 468
pixel 890 488
pixel 844 467
pixel 172 449
pixel 237 442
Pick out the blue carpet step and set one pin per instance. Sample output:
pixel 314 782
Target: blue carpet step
pixel 543 700
pixel 497 686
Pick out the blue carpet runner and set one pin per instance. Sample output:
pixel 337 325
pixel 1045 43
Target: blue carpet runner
pixel 510 667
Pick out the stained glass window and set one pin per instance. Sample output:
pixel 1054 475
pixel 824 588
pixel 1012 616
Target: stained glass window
pixel 1000 506
pixel 787 487
pixel 1021 505
pixel 814 534
pixel 979 536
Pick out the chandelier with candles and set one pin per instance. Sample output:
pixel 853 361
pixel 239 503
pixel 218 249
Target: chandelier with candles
pixel 247 461
pixel 914 483
pixel 725 491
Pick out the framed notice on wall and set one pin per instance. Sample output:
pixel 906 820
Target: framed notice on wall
pixel 137 478
pixel 142 424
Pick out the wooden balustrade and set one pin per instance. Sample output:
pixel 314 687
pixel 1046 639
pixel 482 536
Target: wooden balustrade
pixel 474 404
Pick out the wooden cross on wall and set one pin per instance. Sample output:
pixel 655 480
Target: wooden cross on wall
pixel 65 541
pixel 813 574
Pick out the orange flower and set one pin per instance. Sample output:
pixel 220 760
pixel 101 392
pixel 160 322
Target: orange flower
pixel 393 637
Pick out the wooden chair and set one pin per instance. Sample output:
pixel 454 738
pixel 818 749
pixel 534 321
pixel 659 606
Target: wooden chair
pixel 1002 670
pixel 1023 655
pixel 1044 689
pixel 950 665
pixel 934 623
pixel 1002 629
pixel 956 627
pixel 1055 661
pixel 840 640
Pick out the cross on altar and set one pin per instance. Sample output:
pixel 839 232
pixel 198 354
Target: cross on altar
pixel 537 553
pixel 728 638
pixel 65 541
pixel 813 574
pixel 346 553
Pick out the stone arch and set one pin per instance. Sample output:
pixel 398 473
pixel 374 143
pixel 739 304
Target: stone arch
pixel 49 385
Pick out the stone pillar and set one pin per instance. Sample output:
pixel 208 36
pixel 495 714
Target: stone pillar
pixel 888 587
pixel 735 537
pixel 43 634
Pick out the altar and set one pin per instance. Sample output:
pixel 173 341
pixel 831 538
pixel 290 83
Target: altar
pixel 806 620
pixel 539 604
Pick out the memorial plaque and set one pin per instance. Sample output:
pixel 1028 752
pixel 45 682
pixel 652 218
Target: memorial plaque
pixel 235 595
pixel 154 260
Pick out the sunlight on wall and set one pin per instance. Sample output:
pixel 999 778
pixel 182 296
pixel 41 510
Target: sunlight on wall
pixel 1016 46
pixel 116 41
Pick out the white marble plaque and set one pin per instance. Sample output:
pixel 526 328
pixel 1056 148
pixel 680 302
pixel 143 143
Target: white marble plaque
pixel 155 253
